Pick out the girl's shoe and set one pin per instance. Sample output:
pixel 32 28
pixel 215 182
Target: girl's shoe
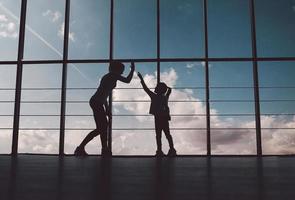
pixel 172 153
pixel 80 151
pixel 159 153
pixel 106 152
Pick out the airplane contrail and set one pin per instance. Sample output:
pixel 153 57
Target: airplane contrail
pixel 42 39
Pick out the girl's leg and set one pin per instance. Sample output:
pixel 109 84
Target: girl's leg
pixel 158 139
pixel 158 127
pixel 166 130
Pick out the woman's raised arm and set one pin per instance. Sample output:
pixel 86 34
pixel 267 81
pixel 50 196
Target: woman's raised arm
pixel 130 75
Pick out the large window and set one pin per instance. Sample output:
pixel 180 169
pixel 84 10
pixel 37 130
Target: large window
pixel 230 64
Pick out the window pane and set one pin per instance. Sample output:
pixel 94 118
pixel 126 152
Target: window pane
pixel 130 100
pixel 275 30
pixel 277 103
pixel 82 82
pixel 9 29
pixel 7 91
pixel 187 104
pixel 7 78
pixel 229 28
pixel 89 33
pixel 44 29
pixel 135 29
pixel 232 108
pixel 182 29
pixel 7 86
pixel 40 109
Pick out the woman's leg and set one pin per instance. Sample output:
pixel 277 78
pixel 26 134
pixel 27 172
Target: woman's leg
pixel 95 132
pixel 89 137
pixel 103 127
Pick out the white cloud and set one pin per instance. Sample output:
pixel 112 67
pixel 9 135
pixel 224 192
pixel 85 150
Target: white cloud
pixel 61 33
pixel 5 141
pixel 3 18
pixel 190 65
pixel 53 16
pixel 8 29
pixel 196 64
pixel 38 142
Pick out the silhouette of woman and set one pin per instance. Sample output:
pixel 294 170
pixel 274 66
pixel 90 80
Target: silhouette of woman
pixel 100 108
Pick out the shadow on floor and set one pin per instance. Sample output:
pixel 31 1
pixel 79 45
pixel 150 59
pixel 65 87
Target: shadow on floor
pixel 50 177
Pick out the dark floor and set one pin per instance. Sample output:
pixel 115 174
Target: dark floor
pixel 32 177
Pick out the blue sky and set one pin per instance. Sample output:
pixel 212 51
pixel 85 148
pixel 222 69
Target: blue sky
pixel 181 35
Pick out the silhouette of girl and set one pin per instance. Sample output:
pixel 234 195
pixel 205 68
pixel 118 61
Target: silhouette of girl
pixel 159 108
pixel 100 108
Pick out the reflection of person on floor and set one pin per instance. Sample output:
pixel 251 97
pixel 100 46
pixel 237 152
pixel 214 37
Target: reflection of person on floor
pixel 159 108
pixel 100 108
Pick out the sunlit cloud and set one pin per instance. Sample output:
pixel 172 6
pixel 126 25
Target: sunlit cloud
pixel 197 64
pixel 38 142
pixel 8 29
pixel 190 65
pixel 53 16
pixel 3 18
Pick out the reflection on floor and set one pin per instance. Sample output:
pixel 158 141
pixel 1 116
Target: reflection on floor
pixel 36 177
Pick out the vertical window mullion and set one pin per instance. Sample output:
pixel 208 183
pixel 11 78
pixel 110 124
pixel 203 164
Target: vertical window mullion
pixel 255 79
pixel 207 80
pixel 64 79
pixel 19 77
pixel 158 42
pixel 111 58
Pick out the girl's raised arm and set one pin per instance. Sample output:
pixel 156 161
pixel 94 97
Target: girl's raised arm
pixel 146 89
